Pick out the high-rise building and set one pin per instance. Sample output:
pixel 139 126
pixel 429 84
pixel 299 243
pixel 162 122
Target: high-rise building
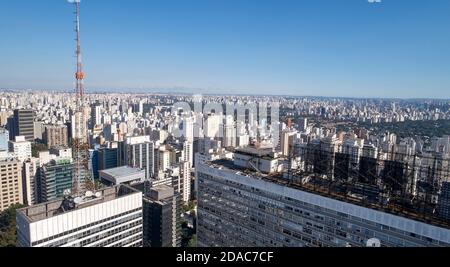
pixel 161 217
pixel 11 182
pixel 185 175
pixel 30 179
pixel 55 135
pixel 303 124
pixel 21 148
pixel 111 217
pixel 139 153
pixel 246 207
pixel 22 124
pixel 78 127
pixel 3 118
pixel 188 129
pixel 163 159
pixel 96 115
pixel 188 152
pixel 287 141
pixel 93 164
pixel 212 125
pixel 229 132
pixel 107 158
pixel 55 178
pixel 39 129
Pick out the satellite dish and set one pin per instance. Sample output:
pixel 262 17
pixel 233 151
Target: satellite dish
pixel 89 194
pixel 78 200
pixel 98 194
pixel 374 243
pixel 67 192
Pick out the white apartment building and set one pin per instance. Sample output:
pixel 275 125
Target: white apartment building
pixel 21 148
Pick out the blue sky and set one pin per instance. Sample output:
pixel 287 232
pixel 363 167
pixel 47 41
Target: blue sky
pixel 350 48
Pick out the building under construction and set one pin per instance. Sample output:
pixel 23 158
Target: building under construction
pixel 324 197
pixel 393 182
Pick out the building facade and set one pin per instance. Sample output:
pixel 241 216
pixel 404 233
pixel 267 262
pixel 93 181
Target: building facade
pixel 54 179
pixel 30 179
pixel 110 218
pixel 139 153
pixel 22 124
pixel 56 135
pixel 21 148
pixel 162 226
pixel 4 138
pixel 107 158
pixel 11 183
pixel 239 208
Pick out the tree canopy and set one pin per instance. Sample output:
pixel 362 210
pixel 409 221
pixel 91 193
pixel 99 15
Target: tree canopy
pixel 8 226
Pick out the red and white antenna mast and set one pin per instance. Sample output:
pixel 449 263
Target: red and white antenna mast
pixel 81 147
pixel 79 75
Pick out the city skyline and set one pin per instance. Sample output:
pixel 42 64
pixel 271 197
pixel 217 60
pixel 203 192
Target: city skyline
pixel 229 46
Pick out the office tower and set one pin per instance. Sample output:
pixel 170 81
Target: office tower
pixel 107 158
pixel 139 153
pixel 111 217
pixel 252 207
pixel 30 179
pixel 55 135
pixel 20 148
pixel 22 124
pixel 96 115
pixel 122 175
pixel 4 138
pixel 55 178
pixel 11 182
pixel 162 215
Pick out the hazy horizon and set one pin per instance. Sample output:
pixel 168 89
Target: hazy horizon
pixel 326 48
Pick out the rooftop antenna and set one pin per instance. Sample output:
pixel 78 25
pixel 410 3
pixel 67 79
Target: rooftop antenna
pixel 80 144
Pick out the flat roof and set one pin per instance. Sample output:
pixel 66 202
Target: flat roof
pixel 122 172
pixel 60 206
pixel 336 191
